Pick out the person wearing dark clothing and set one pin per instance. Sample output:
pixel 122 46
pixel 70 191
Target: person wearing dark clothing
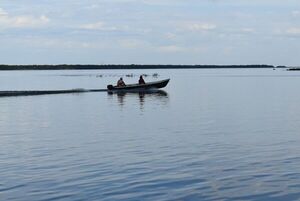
pixel 141 80
pixel 121 83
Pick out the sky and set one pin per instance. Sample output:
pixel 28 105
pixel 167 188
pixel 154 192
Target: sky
pixel 221 32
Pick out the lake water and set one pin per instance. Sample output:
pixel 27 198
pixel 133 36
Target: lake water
pixel 213 134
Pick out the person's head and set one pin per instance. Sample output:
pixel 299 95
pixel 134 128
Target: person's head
pixel 141 77
pixel 121 78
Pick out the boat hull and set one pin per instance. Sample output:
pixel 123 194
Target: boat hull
pixel 140 87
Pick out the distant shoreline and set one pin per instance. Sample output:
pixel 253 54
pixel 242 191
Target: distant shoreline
pixel 133 66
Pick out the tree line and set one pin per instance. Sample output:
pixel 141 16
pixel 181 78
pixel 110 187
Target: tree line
pixel 121 66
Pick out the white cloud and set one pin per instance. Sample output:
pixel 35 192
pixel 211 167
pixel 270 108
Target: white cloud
pixel 293 31
pixel 2 12
pixel 59 43
pixel 160 2
pixel 247 30
pixel 153 27
pixel 93 26
pixel 170 36
pixel 197 26
pixel 98 26
pixel 296 13
pixel 201 26
pixel 93 6
pixel 21 21
pixel 171 49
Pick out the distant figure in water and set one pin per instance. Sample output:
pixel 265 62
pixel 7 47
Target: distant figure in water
pixel 141 80
pixel 121 83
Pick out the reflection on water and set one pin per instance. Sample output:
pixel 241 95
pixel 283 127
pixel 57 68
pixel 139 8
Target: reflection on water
pixel 142 96
pixel 219 134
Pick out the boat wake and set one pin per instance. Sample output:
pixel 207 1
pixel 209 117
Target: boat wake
pixel 47 92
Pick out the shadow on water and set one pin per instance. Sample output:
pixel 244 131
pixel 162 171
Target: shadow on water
pixel 142 96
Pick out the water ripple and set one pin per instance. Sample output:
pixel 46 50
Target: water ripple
pixel 226 139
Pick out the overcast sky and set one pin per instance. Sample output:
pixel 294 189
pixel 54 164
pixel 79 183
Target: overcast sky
pixel 150 32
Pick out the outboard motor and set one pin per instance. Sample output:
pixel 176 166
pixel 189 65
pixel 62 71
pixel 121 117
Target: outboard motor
pixel 110 87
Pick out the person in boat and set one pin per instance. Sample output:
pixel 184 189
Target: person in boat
pixel 141 80
pixel 121 83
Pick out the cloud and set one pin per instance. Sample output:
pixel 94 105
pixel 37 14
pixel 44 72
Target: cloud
pixel 151 27
pixel 93 26
pixel 296 13
pixel 171 49
pixel 2 12
pixel 59 43
pixel 197 26
pixel 101 26
pixel 201 26
pixel 21 21
pixel 247 30
pixel 293 31
pixel 170 36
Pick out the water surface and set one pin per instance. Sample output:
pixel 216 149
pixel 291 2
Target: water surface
pixel 213 134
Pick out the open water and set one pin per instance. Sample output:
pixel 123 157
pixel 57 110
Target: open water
pixel 212 134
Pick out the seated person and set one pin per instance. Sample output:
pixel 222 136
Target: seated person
pixel 141 80
pixel 121 83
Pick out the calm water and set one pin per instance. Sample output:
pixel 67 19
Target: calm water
pixel 226 134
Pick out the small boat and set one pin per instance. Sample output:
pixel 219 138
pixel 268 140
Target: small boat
pixel 156 92
pixel 140 87
pixel 293 69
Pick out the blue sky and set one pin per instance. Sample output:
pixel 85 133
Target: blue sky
pixel 150 32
